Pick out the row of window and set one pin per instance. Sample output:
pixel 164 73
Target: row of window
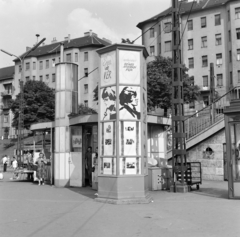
pixel 53 62
pixel 47 77
pixel 217 19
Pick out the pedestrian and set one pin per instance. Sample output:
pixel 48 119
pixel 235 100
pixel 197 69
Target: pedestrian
pixel 4 160
pixel 14 164
pixel 30 164
pixel 41 171
pixel 88 164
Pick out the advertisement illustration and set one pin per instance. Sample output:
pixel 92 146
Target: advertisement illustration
pixel 108 139
pixel 108 68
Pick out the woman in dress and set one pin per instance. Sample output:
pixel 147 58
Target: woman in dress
pixel 41 170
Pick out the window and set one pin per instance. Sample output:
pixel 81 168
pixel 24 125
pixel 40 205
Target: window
pixel 168 46
pixel 86 72
pixel 191 63
pixel 68 57
pixel 219 80
pixel 190 44
pixel 238 76
pixel 53 62
pixel 76 57
pixel 238 54
pixel 85 56
pixel 238 33
pixel 160 31
pixel 34 78
pixel 204 42
pixel 204 61
pixel 27 66
pixel 231 78
pixel 229 18
pixel 192 105
pixel 85 88
pixel 47 77
pixel 160 48
pixel 205 81
pixel 203 22
pixel 190 24
pixel 218 38
pixel 41 78
pixel 229 36
pixel 219 59
pixel 237 13
pixel 151 32
pixel 167 27
pixel 5 118
pixel 34 65
pixel 53 77
pixel 8 88
pixel 47 63
pixel 217 20
pixel 59 59
pixel 205 101
pixel 27 78
pixel 86 103
pixel 40 65
pixel 230 56
pixel 152 51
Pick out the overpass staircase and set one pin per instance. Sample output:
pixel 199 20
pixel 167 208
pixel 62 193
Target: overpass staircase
pixel 207 121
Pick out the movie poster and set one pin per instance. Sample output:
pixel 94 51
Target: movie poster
pixel 130 166
pixel 108 68
pixel 108 103
pixel 129 102
pixel 109 166
pixel 129 67
pixel 76 141
pixel 129 138
pixel 108 139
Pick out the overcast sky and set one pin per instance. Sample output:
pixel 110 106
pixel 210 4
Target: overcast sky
pixel 21 20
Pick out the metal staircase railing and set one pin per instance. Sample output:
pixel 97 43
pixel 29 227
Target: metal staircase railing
pixel 209 115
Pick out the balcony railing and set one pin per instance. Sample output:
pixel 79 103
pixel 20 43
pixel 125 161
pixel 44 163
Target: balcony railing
pixel 6 93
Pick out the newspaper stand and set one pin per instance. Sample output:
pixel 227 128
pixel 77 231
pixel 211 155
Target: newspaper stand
pixel 193 175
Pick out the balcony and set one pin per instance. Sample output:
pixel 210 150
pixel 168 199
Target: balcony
pixel 205 88
pixel 6 93
pixel 5 106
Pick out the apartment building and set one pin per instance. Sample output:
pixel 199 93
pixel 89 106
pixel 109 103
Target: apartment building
pixel 40 64
pixel 210 33
pixel 7 90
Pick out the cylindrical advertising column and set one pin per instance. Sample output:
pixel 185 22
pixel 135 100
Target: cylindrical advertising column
pixel 122 124
pixel 65 103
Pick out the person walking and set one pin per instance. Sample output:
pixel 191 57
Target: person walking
pixel 88 164
pixel 41 171
pixel 4 160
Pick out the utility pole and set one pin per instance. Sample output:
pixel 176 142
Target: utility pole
pixel 179 163
pixel 212 93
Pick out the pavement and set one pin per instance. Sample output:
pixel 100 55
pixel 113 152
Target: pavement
pixel 28 210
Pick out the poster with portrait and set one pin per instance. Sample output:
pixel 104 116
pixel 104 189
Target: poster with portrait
pixel 77 141
pixel 108 103
pixel 130 138
pixel 108 68
pixel 129 67
pixel 108 138
pixel 129 102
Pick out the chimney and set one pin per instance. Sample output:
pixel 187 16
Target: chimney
pixel 69 38
pixel 54 40
pixel 28 48
pixel 88 33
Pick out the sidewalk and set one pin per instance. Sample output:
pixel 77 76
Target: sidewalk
pixel 45 211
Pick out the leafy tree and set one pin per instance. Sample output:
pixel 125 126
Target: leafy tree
pixel 159 81
pixel 38 104
pixel 127 41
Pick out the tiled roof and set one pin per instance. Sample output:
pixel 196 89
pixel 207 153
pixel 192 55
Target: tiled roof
pixel 6 72
pixel 74 43
pixel 185 8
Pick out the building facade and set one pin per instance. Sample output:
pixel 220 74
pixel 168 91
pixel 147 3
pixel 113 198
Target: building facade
pixel 210 33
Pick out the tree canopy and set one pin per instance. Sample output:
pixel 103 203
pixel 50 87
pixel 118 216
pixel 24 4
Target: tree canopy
pixel 38 104
pixel 159 82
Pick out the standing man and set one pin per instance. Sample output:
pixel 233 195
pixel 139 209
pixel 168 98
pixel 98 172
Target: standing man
pixel 4 160
pixel 88 164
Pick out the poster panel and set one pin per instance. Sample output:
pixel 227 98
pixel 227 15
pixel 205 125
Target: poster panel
pixel 108 68
pixel 130 166
pixel 77 141
pixel 109 166
pixel 130 138
pixel 129 67
pixel 108 103
pixel 108 139
pixel 129 102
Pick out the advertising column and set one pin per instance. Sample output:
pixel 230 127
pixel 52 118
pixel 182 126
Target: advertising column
pixel 122 125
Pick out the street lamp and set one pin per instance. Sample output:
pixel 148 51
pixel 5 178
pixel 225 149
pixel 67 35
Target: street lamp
pixel 21 111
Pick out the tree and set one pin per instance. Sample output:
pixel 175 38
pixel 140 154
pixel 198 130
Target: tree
pixel 38 104
pixel 159 81
pixel 127 41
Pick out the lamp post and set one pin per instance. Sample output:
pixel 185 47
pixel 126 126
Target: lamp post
pixel 21 111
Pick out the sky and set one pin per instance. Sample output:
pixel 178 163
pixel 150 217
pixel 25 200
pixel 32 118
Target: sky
pixel 21 20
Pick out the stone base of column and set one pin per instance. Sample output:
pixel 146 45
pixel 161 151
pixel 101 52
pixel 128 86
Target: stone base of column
pixel 179 188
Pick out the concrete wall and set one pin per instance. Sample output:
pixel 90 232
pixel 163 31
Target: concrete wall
pixel 212 164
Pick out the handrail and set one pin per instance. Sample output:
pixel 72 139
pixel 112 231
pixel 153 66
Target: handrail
pixel 193 115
